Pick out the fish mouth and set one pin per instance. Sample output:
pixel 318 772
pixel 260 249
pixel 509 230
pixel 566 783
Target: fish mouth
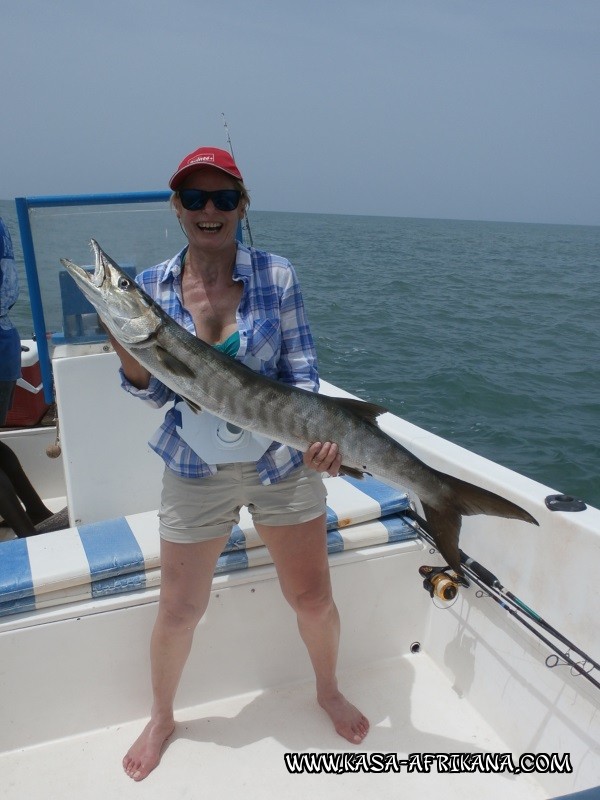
pixel 84 277
pixel 122 306
pixel 101 267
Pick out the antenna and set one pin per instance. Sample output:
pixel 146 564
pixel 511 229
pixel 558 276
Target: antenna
pixel 246 220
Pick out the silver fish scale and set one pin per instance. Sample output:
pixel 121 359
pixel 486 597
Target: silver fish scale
pixel 232 391
pixel 287 414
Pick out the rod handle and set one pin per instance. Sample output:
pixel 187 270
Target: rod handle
pixel 482 572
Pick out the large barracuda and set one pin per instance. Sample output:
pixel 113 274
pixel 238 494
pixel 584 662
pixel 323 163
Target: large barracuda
pixel 210 380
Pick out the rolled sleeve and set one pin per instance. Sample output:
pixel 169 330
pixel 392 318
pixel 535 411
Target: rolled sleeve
pixel 156 395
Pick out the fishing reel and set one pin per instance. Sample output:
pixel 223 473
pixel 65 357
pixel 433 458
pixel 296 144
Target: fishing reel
pixel 440 583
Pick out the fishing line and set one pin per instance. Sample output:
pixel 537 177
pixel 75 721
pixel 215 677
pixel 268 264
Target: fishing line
pixel 490 581
pixel 492 588
pixel 550 663
pixel 246 220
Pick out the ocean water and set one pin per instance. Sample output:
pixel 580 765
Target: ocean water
pixel 486 333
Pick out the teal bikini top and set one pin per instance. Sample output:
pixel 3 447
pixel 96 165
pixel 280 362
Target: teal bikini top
pixel 230 346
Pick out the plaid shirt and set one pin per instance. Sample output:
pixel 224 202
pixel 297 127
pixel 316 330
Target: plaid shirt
pixel 275 340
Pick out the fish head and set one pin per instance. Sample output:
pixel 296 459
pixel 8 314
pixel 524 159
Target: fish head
pixel 127 311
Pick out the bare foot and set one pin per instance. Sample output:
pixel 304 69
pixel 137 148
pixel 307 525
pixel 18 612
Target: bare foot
pixel 347 719
pixel 144 755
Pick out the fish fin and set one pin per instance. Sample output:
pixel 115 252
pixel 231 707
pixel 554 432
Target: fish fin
pixel 465 499
pixel 444 525
pixel 174 365
pixel 352 472
pixel 362 409
pixel 194 406
pixel 471 500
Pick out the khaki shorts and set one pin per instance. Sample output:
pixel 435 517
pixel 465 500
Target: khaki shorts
pixel 198 509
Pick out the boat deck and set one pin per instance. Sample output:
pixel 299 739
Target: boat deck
pixel 236 746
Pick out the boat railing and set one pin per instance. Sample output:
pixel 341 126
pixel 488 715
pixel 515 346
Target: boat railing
pixel 44 302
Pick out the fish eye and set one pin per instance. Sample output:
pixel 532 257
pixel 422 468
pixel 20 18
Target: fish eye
pixel 123 283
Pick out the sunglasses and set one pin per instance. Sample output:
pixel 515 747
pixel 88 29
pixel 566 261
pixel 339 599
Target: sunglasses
pixel 223 199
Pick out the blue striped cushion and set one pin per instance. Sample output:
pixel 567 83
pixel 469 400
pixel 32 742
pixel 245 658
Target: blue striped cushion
pixel 122 554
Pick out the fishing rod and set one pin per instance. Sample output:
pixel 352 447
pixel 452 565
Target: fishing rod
pixel 444 585
pixel 246 220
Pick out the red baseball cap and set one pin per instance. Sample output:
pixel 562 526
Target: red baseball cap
pixel 205 157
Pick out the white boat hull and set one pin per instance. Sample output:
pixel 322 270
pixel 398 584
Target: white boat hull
pixel 74 683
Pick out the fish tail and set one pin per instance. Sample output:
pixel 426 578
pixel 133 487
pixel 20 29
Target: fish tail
pixel 462 500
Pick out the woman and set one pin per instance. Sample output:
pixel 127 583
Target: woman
pixel 248 304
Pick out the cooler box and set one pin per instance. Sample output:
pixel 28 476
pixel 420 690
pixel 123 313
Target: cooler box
pixel 28 406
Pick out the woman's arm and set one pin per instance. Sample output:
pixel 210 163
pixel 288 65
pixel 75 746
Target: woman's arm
pixel 134 372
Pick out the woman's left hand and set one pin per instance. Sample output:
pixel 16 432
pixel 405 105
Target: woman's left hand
pixel 324 457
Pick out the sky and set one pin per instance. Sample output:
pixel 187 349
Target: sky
pixel 457 109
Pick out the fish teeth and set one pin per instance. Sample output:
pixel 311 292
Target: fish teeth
pixel 98 276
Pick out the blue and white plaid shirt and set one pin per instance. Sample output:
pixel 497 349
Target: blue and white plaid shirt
pixel 275 340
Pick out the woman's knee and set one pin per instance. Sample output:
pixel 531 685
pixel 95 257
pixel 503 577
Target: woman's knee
pixel 186 580
pixel 178 607
pixel 316 602
pixel 177 614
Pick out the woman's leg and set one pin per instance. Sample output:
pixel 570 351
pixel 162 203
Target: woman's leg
pixel 11 510
pixel 299 553
pixel 15 486
pixel 7 391
pixel 186 578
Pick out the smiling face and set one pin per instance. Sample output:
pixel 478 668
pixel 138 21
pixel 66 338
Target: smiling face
pixel 209 229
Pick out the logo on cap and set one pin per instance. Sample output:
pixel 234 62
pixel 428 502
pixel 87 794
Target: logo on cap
pixel 207 157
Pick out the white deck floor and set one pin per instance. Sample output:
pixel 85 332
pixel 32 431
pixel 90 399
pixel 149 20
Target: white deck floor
pixel 235 748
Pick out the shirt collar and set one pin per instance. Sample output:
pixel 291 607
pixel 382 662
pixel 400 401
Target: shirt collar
pixel 242 268
pixel 172 267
